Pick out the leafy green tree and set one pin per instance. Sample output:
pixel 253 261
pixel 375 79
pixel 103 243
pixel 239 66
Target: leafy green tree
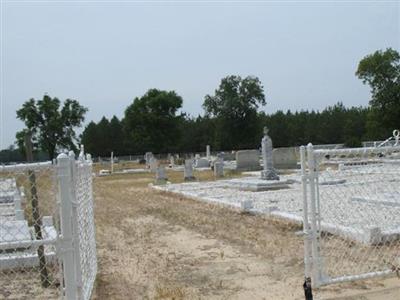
pixel 51 125
pixel 381 70
pixel 234 105
pixel 151 122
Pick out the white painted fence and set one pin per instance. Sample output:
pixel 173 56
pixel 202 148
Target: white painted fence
pixel 47 233
pixel 351 213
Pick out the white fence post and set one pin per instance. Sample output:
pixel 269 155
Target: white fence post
pixel 66 239
pixel 316 264
pixel 74 219
pixel 306 224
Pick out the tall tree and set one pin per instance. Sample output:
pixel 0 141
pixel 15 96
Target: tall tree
pixel 90 139
pixel 116 136
pixel 151 122
pixel 381 70
pixel 51 125
pixel 234 105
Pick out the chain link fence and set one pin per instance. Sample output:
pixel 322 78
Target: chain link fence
pixel 84 221
pixel 47 233
pixel 29 226
pixel 351 213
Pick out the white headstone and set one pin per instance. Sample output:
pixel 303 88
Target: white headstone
pixel 112 162
pixel 208 152
pixel 268 172
pixel 172 161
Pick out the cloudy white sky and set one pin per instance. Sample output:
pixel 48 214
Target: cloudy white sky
pixel 106 53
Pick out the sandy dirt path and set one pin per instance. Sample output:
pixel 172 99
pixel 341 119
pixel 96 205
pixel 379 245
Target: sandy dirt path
pixel 154 245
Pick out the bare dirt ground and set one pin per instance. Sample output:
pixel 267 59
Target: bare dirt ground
pixel 154 245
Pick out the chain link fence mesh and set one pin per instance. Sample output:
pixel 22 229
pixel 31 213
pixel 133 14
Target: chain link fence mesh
pixel 84 214
pixel 29 227
pixel 33 264
pixel 357 214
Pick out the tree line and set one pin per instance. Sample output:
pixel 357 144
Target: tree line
pixel 233 119
pixel 335 124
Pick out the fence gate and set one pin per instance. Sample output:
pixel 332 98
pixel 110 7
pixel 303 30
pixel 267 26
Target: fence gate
pixel 351 213
pixel 47 233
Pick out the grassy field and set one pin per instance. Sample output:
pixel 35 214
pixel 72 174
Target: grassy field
pixel 156 245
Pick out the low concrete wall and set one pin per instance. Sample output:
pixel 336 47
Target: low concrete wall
pixel 248 160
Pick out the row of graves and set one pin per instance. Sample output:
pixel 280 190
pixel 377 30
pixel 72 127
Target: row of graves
pixel 354 189
pixel 199 163
pixel 18 238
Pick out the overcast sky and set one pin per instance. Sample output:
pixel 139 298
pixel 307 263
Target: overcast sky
pixel 105 54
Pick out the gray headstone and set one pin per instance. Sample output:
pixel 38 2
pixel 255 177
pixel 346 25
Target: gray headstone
pixel 147 158
pixel 161 176
pixel 285 158
pixel 202 163
pixel 218 169
pixel 153 164
pixel 188 170
pixel 248 160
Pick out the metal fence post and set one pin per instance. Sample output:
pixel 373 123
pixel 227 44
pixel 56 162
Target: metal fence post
pixel 66 240
pixel 306 224
pixel 316 271
pixel 44 273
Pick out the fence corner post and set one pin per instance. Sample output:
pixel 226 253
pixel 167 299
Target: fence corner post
pixel 313 180
pixel 306 223
pixel 66 246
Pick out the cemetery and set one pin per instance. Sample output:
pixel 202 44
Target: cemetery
pixel 345 199
pixel 329 200
pixel 282 195
pixel 184 150
pixel 348 197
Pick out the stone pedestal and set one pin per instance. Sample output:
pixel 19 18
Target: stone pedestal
pixel 269 175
